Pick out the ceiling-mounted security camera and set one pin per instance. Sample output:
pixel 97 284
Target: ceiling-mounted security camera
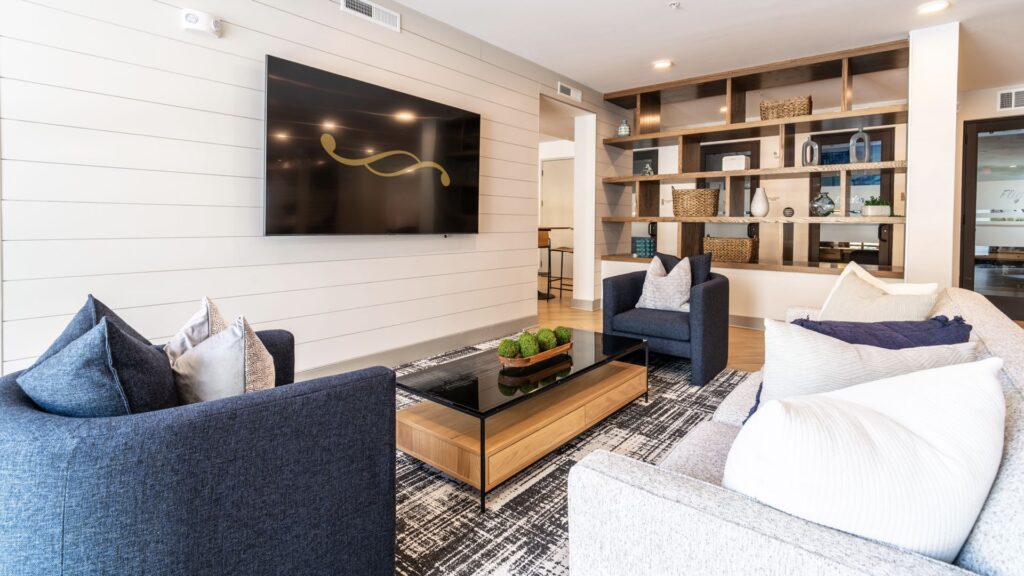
pixel 201 21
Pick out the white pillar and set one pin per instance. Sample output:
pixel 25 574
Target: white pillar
pixel 931 154
pixel 585 213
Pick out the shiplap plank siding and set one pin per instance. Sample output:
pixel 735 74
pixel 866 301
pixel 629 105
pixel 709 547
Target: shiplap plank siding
pixel 131 168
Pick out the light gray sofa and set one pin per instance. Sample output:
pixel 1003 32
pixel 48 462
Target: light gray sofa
pixel 628 517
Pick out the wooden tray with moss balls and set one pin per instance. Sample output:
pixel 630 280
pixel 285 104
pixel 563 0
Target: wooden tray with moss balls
pixel 531 348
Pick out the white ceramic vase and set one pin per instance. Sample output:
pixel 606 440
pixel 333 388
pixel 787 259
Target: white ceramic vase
pixel 759 204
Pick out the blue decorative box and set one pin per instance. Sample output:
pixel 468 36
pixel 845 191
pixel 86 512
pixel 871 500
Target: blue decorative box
pixel 643 247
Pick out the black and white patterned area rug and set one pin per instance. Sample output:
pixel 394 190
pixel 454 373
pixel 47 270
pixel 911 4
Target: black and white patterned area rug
pixel 525 530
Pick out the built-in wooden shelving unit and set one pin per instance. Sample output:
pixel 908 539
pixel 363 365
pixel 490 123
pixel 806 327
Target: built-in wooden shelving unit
pixel 806 267
pixel 845 66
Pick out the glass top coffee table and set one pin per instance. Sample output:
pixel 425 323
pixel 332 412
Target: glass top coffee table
pixel 504 419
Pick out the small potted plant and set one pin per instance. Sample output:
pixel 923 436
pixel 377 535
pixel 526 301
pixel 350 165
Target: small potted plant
pixel 875 206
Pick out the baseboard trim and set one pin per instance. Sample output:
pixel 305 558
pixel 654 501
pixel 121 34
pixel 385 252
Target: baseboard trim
pixel 421 350
pixel 588 305
pixel 746 322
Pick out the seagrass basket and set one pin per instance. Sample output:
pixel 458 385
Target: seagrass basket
pixel 786 108
pixel 731 249
pixel 694 203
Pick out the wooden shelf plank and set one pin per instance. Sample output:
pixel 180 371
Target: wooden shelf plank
pixel 897 165
pixel 851 119
pixel 802 267
pixel 762 220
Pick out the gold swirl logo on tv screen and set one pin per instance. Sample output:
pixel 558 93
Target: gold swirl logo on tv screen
pixel 330 145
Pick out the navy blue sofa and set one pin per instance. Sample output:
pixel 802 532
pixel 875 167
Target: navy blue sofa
pixel 295 480
pixel 702 334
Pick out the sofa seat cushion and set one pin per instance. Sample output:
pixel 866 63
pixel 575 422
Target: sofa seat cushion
pixel 702 453
pixel 735 408
pixel 658 323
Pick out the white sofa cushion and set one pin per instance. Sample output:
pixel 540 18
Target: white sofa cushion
pixel 907 461
pixel 860 297
pixel 801 361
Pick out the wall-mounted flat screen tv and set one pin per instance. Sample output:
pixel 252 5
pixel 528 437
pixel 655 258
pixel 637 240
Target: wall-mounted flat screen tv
pixel 347 157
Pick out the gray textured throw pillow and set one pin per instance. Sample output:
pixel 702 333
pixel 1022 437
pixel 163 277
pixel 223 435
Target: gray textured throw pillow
pixel 799 361
pixel 666 291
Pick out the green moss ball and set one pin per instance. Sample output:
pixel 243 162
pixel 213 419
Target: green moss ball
pixel 528 345
pixel 508 349
pixel 563 334
pixel 546 339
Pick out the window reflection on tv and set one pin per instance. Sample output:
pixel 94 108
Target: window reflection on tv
pixel 348 157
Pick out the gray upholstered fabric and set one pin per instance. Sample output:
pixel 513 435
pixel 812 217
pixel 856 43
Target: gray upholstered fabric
pixel 628 517
pixel 87 317
pixel 736 406
pixel 702 453
pixel 657 323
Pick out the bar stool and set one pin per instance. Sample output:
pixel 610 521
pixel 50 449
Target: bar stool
pixel 561 278
pixel 544 241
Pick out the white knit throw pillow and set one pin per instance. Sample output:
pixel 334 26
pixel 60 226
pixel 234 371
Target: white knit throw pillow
pixel 666 291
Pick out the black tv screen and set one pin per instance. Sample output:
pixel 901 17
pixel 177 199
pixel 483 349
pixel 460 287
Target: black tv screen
pixel 347 157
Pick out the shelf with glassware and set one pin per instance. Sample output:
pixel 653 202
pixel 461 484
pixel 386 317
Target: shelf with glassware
pixel 829 180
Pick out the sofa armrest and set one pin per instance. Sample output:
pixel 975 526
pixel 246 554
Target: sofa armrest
pixel 709 328
pixel 295 479
pixel 628 517
pixel 620 293
pixel 798 312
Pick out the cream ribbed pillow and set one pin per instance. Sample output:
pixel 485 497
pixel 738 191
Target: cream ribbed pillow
pixel 907 460
pixel 860 297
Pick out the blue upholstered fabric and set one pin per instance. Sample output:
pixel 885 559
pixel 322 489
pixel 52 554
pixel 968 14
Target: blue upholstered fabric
pixel 658 323
pixel 700 266
pixel 894 335
pixel 87 317
pixel 104 372
pixel 706 343
pixel 299 479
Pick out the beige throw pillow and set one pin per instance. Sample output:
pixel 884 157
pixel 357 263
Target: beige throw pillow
pixel 799 361
pixel 666 291
pixel 854 299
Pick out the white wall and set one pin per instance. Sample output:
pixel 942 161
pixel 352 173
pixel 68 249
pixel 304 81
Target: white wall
pixel 132 169
pixel 931 154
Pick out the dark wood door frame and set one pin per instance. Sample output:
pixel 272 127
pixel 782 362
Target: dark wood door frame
pixel 1013 307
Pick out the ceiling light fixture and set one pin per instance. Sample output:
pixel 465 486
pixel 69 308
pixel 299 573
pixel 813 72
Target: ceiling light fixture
pixel 662 64
pixel 405 116
pixel 933 7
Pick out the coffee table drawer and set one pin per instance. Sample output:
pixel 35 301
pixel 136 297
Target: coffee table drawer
pixel 504 464
pixel 600 407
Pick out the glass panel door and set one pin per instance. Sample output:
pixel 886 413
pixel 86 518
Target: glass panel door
pixel 992 254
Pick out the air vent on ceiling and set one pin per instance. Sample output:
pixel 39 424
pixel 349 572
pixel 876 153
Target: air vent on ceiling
pixel 1010 99
pixel 570 92
pixel 374 13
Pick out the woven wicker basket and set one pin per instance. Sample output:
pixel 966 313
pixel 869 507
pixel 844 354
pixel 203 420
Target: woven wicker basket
pixel 787 108
pixel 731 249
pixel 698 202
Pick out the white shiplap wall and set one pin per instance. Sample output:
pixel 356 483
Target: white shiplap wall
pixel 131 169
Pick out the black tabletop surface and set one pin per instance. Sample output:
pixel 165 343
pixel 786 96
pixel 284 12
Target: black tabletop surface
pixel 478 384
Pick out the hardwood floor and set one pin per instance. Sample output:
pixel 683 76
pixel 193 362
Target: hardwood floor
pixel 746 347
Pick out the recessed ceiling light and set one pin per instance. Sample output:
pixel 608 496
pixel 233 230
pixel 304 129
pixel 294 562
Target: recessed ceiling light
pixel 404 116
pixel 662 64
pixel 933 6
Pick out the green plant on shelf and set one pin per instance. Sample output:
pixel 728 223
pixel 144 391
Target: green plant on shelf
pixel 875 201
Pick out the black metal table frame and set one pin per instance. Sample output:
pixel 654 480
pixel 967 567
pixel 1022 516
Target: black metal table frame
pixel 482 417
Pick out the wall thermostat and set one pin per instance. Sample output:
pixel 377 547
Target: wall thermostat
pixel 201 21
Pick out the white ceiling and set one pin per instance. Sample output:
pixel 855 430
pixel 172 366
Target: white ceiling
pixel 610 44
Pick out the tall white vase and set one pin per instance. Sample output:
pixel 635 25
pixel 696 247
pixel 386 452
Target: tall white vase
pixel 759 204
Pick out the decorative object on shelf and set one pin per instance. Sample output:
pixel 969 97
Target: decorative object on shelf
pixel 694 202
pixel 647 170
pixel 623 130
pixel 860 137
pixel 788 212
pixel 736 162
pixel 759 204
pixel 786 108
pixel 875 206
pixel 743 250
pixel 810 153
pixel 822 205
pixel 642 247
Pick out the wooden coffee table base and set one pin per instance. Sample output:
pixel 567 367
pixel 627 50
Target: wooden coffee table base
pixel 449 440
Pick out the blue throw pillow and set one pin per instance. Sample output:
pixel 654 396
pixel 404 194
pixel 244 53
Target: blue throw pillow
pixel 104 372
pixel 86 319
pixel 895 335
pixel 700 266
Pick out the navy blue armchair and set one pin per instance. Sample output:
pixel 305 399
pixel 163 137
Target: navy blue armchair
pixel 295 480
pixel 702 334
